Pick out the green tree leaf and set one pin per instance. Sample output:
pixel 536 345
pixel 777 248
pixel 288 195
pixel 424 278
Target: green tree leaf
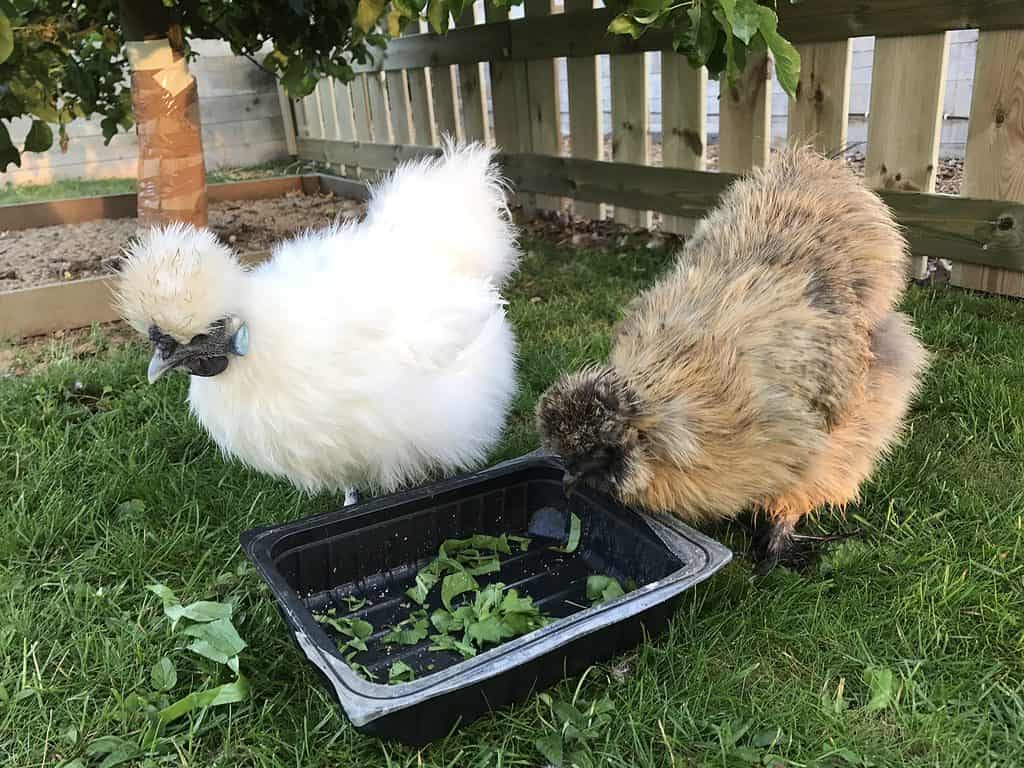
pixel 9 154
pixel 787 60
pixel 368 12
pixel 745 19
pixel 437 16
pixel 163 675
pixel 624 24
pixel 6 39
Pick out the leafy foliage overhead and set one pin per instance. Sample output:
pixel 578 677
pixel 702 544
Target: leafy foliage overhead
pixel 717 34
pixel 64 59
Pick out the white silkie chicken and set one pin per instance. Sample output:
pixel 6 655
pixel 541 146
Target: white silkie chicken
pixel 361 357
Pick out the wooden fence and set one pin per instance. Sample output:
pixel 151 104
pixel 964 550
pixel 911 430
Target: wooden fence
pixel 425 86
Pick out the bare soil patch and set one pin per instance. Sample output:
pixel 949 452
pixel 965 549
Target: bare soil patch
pixel 71 252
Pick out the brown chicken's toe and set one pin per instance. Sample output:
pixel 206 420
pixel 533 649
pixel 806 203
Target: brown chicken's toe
pixel 775 543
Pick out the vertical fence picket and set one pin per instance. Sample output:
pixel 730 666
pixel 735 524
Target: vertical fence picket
pixel 905 120
pixel 288 120
pixel 510 103
pixel 585 130
pixel 378 108
pixel 328 114
pixel 314 116
pixel 343 109
pixel 398 106
pixel 420 110
pixel 683 122
pixel 471 92
pixel 745 117
pixel 442 87
pixel 360 108
pixel 542 111
pixel 994 161
pixel 820 112
pixel 630 122
pixel 299 110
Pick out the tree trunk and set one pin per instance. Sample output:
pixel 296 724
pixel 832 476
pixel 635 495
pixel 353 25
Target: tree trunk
pixel 172 173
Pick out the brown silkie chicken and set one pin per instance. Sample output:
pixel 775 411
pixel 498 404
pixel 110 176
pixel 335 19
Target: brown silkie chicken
pixel 768 370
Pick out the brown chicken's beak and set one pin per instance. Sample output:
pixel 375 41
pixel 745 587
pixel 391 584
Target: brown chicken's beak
pixel 569 483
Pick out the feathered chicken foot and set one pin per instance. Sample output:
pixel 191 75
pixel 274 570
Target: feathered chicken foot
pixel 775 541
pixel 351 497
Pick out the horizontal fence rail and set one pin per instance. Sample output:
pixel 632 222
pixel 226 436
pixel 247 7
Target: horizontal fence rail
pixel 586 34
pixel 989 232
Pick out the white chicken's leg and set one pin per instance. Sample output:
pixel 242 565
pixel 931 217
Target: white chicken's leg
pixel 351 497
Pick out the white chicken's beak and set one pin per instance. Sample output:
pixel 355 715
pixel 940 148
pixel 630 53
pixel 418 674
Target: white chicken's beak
pixel 158 366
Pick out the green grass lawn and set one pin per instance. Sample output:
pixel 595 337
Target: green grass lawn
pixel 904 648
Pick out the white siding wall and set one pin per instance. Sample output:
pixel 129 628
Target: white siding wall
pixel 238 107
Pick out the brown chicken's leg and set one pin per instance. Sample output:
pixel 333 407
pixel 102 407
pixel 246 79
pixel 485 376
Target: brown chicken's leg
pixel 775 541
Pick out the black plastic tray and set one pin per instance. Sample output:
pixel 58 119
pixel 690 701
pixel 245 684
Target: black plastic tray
pixel 374 550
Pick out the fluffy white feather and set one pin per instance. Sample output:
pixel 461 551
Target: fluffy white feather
pixel 379 352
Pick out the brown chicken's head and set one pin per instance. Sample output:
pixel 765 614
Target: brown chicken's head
pixel 181 288
pixel 588 418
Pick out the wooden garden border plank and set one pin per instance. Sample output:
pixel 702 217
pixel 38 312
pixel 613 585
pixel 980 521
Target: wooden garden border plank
pixel 51 213
pixel 820 112
pixel 745 117
pixel 586 34
pixel 585 131
pixel 683 122
pixel 48 308
pixel 905 120
pixel 630 139
pixel 993 165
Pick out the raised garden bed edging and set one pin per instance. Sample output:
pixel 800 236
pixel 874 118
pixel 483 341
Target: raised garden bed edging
pixel 80 303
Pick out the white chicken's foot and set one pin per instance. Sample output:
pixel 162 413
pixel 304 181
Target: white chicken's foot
pixel 351 497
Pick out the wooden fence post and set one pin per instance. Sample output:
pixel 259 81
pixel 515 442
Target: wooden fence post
pixel 994 162
pixel 683 123
pixel 745 117
pixel 906 116
pixel 630 135
pixel 585 129
pixel 821 110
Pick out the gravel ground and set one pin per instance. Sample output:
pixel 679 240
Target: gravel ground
pixel 74 251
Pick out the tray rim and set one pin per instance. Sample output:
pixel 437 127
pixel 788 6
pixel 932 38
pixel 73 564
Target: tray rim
pixel 364 702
